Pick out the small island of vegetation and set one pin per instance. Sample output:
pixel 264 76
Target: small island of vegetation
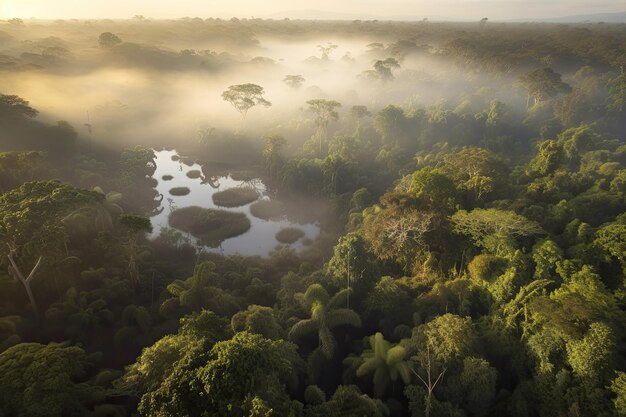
pixel 210 226
pixel 194 173
pixel 267 209
pixel 180 191
pixel 289 235
pixel 235 197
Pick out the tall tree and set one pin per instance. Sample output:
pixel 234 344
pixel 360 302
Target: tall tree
pixel 386 361
pixel 383 68
pixel 45 380
pixel 358 113
pixel 325 112
pixel 542 84
pixel 493 229
pixel 325 50
pixel 243 97
pixel 32 230
pixel 325 315
pixel 294 81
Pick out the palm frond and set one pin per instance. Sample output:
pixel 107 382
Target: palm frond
pixel 301 329
pixel 316 292
pixel 341 317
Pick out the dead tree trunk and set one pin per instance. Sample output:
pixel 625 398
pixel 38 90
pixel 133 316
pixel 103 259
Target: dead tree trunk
pixel 26 281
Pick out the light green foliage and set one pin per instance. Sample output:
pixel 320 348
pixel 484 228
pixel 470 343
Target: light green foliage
pixel 386 362
pixel 612 239
pixel 165 374
pixel 494 230
pixel 325 314
pixel 350 261
pixel 547 158
pixel 433 188
pixel 446 339
pixel 242 368
pixel 348 401
pixel 486 267
pixel 592 356
pixel 618 386
pixel 546 254
pixel 450 337
pixel 258 319
pixel 476 171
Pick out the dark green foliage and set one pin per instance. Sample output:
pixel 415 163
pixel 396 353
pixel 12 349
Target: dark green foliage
pixel 44 380
pixel 326 313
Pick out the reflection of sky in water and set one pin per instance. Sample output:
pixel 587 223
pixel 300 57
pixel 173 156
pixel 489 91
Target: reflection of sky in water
pixel 259 240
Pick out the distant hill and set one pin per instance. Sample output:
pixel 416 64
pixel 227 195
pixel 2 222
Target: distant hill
pixel 327 15
pixel 598 17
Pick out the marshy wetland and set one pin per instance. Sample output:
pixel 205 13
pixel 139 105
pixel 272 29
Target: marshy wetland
pixel 222 194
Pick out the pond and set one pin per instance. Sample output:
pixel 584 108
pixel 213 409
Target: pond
pixel 260 239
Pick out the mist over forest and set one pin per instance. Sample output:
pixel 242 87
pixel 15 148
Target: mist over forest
pixel 309 218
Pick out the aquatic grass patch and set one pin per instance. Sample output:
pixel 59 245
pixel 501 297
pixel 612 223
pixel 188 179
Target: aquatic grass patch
pixel 167 177
pixel 180 191
pixel 235 197
pixel 210 226
pixel 267 209
pixel 289 235
pixel 242 176
pixel 194 173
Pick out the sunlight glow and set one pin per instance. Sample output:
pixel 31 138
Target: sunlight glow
pixel 347 9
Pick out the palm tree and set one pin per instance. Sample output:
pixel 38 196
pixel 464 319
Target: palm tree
pixel 325 315
pixel 96 216
pixel 387 363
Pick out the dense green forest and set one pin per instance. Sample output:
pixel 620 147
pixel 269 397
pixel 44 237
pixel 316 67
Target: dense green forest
pixel 468 181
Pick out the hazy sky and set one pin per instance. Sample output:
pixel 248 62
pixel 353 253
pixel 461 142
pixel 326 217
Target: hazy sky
pixel 471 9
